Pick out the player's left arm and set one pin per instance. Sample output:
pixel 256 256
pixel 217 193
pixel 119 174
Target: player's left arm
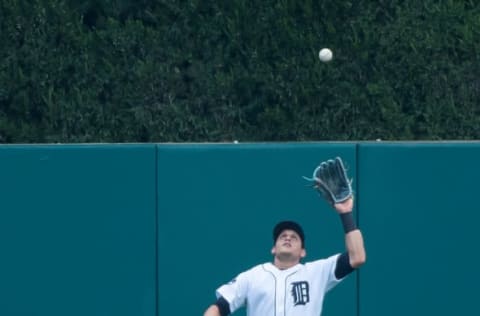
pixel 355 256
pixel 330 179
pixel 220 308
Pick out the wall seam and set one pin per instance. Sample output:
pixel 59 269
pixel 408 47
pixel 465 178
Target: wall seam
pixel 357 198
pixel 157 281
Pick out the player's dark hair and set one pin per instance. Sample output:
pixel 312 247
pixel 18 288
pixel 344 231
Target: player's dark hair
pixel 280 227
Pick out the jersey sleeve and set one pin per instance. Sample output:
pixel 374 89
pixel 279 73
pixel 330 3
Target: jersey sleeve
pixel 325 269
pixel 235 291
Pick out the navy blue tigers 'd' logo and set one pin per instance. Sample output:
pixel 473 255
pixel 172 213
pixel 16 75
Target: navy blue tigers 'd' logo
pixel 300 293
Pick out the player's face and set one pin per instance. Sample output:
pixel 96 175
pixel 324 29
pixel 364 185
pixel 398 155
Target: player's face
pixel 289 245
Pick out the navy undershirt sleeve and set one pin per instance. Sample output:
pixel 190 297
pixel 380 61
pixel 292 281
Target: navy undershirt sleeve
pixel 223 306
pixel 343 267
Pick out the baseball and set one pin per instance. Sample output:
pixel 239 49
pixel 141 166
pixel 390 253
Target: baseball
pixel 325 55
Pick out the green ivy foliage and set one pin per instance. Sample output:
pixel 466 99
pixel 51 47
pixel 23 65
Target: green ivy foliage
pixel 211 71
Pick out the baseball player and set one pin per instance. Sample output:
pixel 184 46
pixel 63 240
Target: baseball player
pixel 287 287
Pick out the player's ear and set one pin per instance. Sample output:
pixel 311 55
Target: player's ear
pixel 273 250
pixel 303 253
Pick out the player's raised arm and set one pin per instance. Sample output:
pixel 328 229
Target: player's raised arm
pixel 353 235
pixel 331 181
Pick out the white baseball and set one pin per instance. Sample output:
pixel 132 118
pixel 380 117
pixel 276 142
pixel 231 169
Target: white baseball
pixel 325 54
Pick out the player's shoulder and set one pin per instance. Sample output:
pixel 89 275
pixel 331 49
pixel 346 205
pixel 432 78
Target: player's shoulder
pixel 253 269
pixel 253 272
pixel 323 262
pixel 260 268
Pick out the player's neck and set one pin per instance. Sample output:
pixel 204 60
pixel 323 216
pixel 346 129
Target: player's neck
pixel 284 264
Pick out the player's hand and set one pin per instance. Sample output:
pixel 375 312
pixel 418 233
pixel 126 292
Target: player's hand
pixel 330 179
pixel 345 206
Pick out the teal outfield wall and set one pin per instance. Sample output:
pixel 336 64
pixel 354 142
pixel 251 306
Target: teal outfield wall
pixel 153 229
pixel 77 230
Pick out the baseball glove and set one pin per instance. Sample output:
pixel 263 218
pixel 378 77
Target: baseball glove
pixel 331 181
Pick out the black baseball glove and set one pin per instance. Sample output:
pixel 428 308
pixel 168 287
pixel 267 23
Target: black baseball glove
pixel 331 181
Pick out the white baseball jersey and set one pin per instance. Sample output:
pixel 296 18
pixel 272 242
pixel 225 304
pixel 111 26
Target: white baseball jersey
pixel 267 291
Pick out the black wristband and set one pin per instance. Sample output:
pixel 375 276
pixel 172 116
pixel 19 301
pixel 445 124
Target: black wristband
pixel 348 222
